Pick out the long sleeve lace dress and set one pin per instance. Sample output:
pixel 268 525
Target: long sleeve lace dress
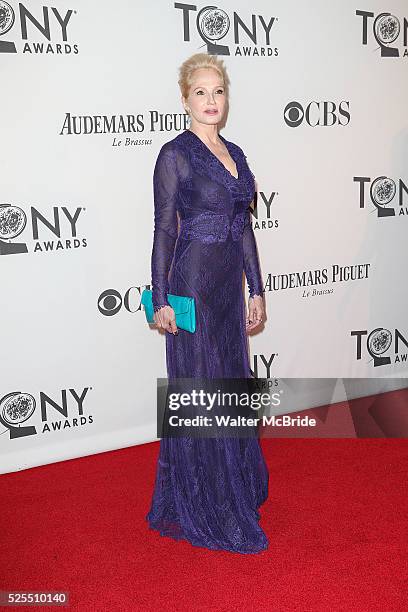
pixel 207 491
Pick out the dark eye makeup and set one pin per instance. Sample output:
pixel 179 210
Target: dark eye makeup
pixel 218 90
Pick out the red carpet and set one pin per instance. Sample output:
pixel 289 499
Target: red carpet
pixel 336 519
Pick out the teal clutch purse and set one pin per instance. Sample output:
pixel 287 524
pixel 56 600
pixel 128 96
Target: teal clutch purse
pixel 183 306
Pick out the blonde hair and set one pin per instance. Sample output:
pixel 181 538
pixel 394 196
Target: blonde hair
pixel 195 62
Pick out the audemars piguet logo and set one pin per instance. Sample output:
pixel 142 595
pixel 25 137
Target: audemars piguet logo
pixel 388 196
pixel 56 230
pixel 44 31
pixel 319 281
pixel 125 131
pixel 385 32
pixel 241 35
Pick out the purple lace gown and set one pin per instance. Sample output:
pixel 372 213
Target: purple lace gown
pixel 207 491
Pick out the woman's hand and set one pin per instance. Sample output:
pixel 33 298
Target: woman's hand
pixel 256 312
pixel 166 319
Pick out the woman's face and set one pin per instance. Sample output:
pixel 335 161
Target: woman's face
pixel 207 97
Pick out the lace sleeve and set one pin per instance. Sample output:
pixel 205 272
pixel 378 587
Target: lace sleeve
pixel 251 260
pixel 165 192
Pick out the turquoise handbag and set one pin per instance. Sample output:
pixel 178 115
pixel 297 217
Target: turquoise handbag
pixel 183 306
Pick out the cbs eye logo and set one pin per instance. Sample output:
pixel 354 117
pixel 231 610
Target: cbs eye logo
pixel 110 301
pixel 325 113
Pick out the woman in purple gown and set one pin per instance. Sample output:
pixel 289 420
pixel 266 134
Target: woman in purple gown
pixel 207 491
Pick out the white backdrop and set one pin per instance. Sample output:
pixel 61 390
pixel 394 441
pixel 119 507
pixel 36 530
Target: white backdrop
pixel 320 111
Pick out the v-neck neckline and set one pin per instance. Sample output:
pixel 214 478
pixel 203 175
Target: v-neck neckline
pixel 236 178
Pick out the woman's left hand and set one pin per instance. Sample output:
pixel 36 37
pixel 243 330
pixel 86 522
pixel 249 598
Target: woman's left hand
pixel 256 312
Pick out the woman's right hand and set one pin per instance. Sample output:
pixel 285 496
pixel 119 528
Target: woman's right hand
pixel 165 318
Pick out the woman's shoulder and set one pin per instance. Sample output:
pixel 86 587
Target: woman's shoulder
pixel 178 141
pixel 174 155
pixel 174 145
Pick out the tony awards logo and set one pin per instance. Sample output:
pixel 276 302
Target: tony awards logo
pixel 378 342
pixel 212 25
pixel 15 409
pixel 251 34
pixel 386 30
pixel 53 414
pixel 47 23
pixel 12 222
pixel 62 228
pixel 7 19
pixel 386 194
pixel 382 192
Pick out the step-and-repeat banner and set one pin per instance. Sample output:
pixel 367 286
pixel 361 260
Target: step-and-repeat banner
pixel 89 94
